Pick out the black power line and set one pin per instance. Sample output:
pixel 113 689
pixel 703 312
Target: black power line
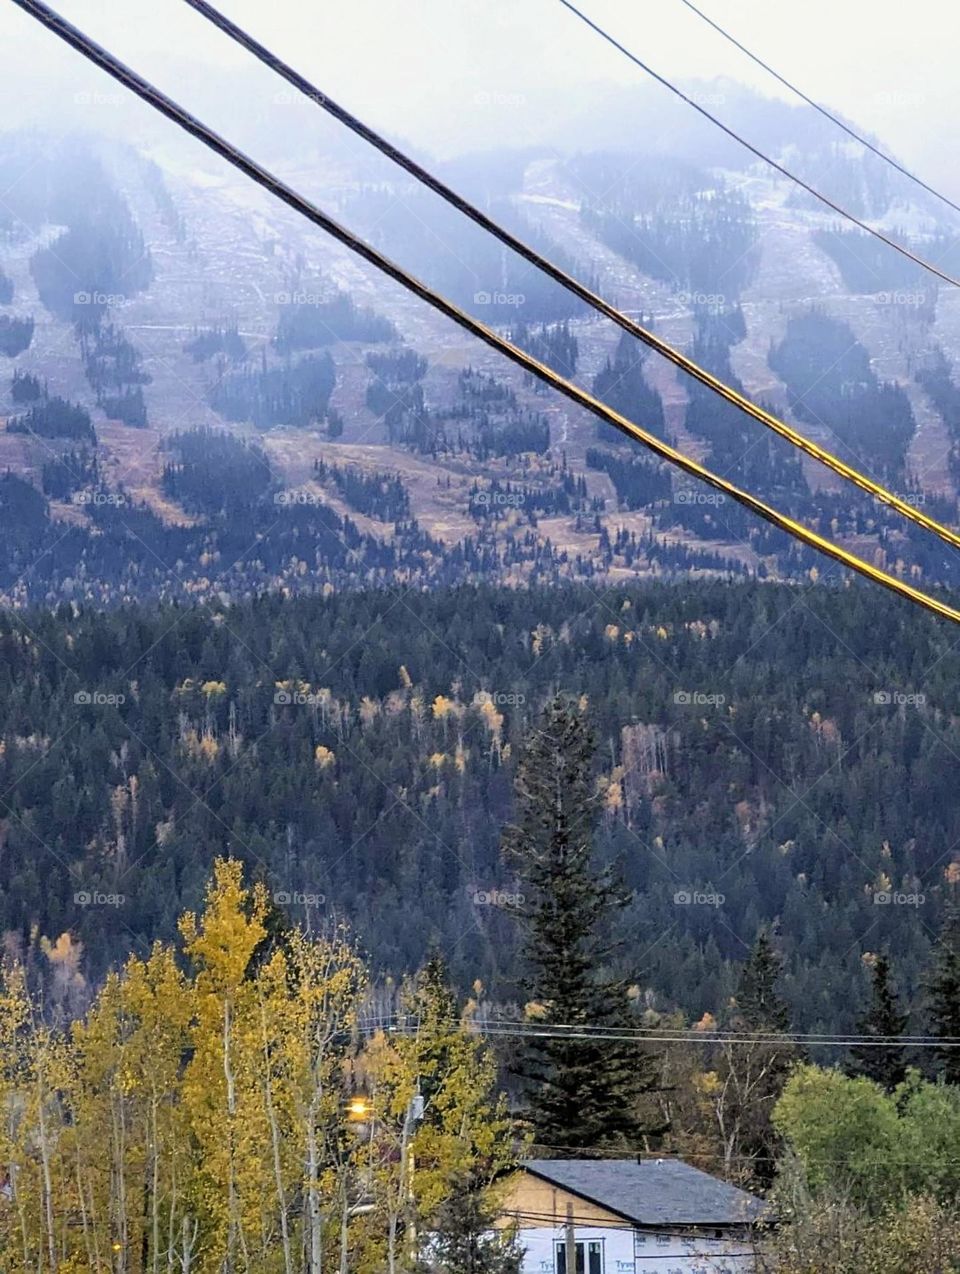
pixel 834 119
pixel 754 150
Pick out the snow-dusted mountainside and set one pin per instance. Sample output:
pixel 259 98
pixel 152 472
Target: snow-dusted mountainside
pixel 201 305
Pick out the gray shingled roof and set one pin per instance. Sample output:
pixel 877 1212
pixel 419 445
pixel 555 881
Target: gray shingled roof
pixel 654 1192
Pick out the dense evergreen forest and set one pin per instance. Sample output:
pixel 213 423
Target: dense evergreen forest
pixel 278 815
pixel 245 531
pixel 828 376
pixel 217 340
pixel 621 385
pixel 113 367
pixel 786 755
pixel 293 395
pixel 55 418
pixel 639 483
pixel 704 244
pixel 379 495
pixel 15 335
pixel 867 265
pixel 120 546
pixel 308 322
pixel 100 258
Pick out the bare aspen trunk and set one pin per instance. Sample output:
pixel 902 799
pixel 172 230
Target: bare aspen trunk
pixel 24 1233
pixel 344 1230
pixel 155 1203
pixel 231 1115
pixel 315 1249
pixel 84 1220
pixel 392 1244
pixel 47 1182
pixel 172 1219
pixel 401 1196
pixel 275 1139
pixel 187 1241
pixel 119 1158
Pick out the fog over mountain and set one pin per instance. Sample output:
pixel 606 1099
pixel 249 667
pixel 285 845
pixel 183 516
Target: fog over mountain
pixel 462 76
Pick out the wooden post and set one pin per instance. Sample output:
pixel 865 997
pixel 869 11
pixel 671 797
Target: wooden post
pixel 570 1244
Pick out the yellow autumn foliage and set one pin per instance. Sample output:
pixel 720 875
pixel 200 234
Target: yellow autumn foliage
pixel 196 1114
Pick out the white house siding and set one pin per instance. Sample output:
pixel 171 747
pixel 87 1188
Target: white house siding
pixel 667 1254
pixel 640 1252
pixel 540 1244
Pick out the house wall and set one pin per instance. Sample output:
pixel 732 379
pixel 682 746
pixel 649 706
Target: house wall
pixel 539 1210
pixel 657 1253
pixel 530 1197
pixel 662 1252
pixel 539 1248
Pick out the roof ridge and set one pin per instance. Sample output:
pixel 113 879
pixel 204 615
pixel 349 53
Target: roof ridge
pixel 634 1189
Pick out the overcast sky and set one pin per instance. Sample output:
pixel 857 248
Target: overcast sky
pixel 454 75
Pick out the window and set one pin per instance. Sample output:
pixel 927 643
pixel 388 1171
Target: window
pixel 589 1257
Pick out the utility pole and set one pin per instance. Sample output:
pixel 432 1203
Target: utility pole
pixel 570 1244
pixel 413 1116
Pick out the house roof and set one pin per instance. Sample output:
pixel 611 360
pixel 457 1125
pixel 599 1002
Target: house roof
pixel 652 1192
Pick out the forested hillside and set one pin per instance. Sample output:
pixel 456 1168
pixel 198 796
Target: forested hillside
pixel 767 755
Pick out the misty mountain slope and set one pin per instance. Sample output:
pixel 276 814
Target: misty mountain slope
pixel 205 338
pixel 892 323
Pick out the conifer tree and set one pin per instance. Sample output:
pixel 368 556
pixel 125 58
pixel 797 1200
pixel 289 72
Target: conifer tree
pixel 886 1066
pixel 583 1091
pixel 759 1003
pixel 752 1072
pixel 944 990
pixel 464 1238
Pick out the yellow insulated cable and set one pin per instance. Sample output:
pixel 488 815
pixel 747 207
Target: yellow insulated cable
pixel 572 285
pixel 269 181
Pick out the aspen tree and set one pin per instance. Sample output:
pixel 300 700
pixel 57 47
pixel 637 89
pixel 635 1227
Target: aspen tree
pixel 329 978
pixel 220 945
pixel 16 1232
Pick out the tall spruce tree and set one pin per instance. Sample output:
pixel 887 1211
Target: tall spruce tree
pixel 759 1003
pixel 464 1235
pixel 944 992
pixel 885 1065
pixel 583 1092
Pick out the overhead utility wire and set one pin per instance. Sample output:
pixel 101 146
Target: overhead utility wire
pixel 71 35
pixel 692 1239
pixel 754 150
pixel 402 1024
pixel 646 1156
pixel 834 119
pixel 573 285
pixel 628 1037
